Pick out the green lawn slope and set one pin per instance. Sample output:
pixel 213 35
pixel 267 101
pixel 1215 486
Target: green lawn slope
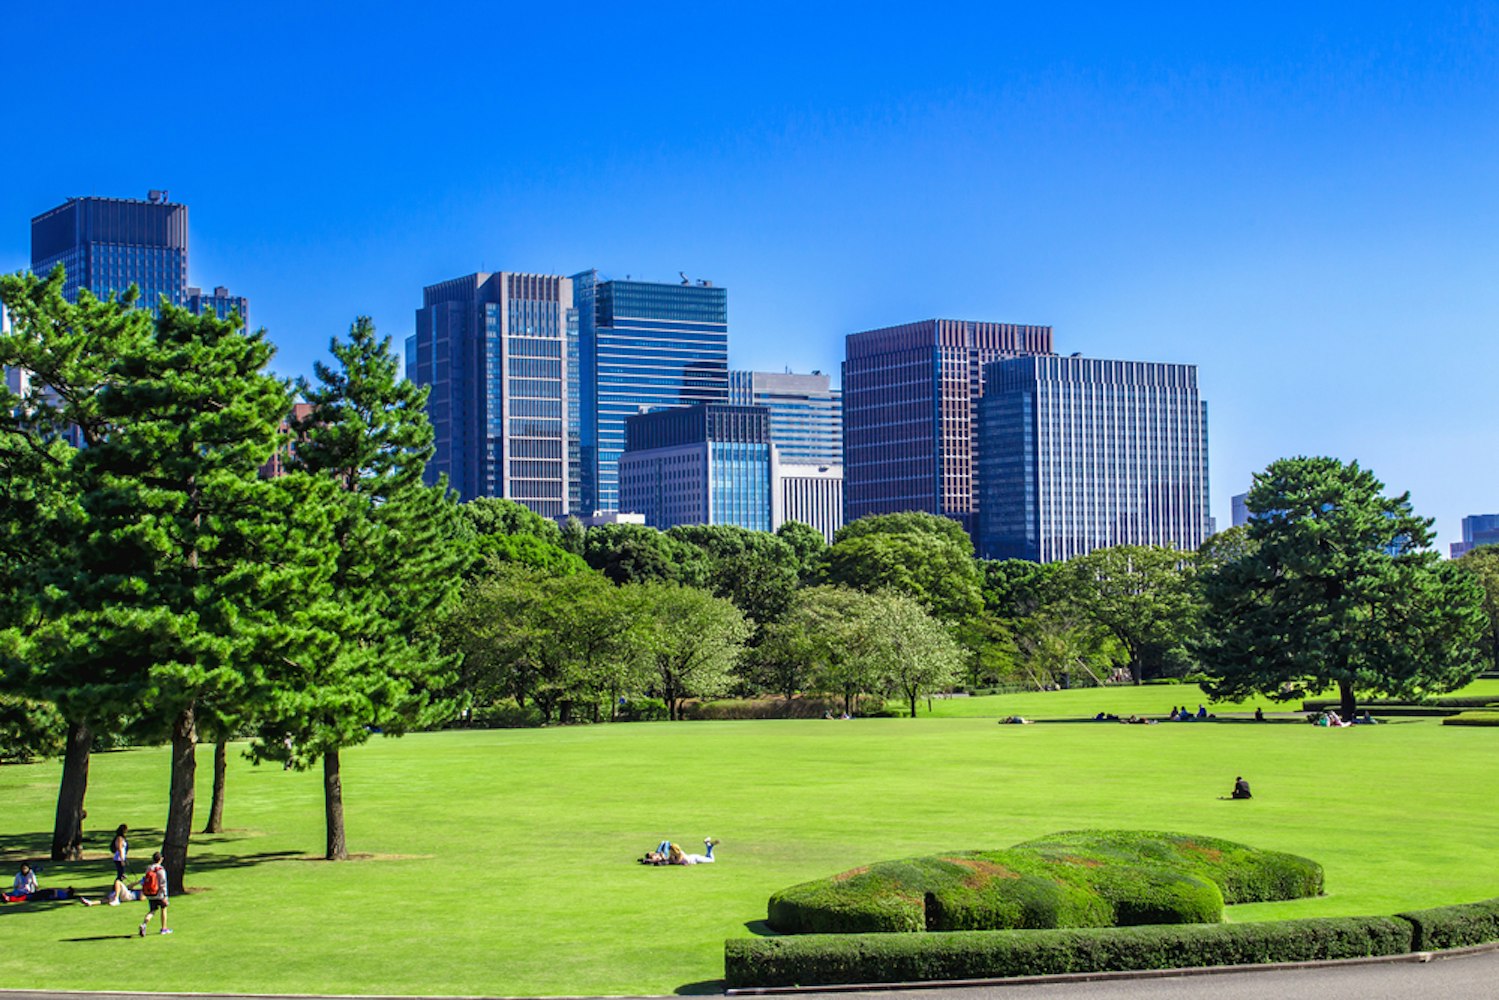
pixel 502 862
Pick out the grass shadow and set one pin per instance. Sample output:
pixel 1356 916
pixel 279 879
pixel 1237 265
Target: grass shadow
pixel 98 937
pixel 760 928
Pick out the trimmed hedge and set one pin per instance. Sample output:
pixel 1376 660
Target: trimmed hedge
pixel 1472 719
pixel 828 959
pixel 1094 878
pixel 1244 874
pixel 1441 701
pixel 1454 926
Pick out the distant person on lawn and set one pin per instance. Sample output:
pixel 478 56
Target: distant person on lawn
pixel 120 893
pixel 668 853
pixel 1241 788
pixel 153 886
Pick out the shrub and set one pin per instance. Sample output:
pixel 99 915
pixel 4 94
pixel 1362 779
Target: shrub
pixel 1472 719
pixel 1454 926
pixel 801 707
pixel 993 890
pixel 1443 701
pixel 506 714
pixel 1244 874
pixel 642 710
pixel 828 959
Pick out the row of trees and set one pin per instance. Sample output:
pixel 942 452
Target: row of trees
pixel 154 584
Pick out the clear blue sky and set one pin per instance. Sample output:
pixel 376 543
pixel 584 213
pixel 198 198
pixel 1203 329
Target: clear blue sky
pixel 1300 199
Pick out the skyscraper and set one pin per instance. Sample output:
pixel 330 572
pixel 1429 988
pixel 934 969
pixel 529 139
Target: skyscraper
pixel 910 409
pixel 1077 454
pixel 1478 529
pixel 806 426
pixel 641 346
pixel 706 464
pixel 106 245
pixel 806 413
pixel 494 349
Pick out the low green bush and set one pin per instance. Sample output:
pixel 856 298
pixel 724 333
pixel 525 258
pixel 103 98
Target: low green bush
pixel 1440 701
pixel 1454 926
pixel 505 714
pixel 830 959
pixel 775 707
pixel 1244 874
pixel 641 710
pixel 1472 719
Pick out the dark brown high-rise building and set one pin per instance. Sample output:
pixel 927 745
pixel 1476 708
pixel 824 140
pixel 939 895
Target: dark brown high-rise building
pixel 910 412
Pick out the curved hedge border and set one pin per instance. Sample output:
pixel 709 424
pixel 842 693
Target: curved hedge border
pixel 829 959
pixel 1473 718
pixel 1088 878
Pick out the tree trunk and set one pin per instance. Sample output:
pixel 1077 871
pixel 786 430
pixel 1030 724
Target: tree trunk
pixel 180 798
pixel 1347 705
pixel 333 808
pixel 911 696
pixel 220 772
pixel 67 828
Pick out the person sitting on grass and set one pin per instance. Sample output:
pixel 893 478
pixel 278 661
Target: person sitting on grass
pixel 23 889
pixel 668 853
pixel 1241 788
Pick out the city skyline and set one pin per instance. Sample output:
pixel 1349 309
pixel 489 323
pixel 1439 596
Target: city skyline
pixel 1295 201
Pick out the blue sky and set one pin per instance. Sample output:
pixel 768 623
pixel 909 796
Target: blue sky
pixel 1299 199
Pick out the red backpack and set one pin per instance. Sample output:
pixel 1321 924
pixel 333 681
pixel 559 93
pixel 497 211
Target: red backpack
pixel 151 882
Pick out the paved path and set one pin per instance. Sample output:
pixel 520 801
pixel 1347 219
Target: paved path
pixel 1470 977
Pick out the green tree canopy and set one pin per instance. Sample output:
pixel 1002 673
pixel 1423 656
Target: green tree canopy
pixel 1482 564
pixel 754 569
pixel 807 544
pixel 924 556
pixel 1139 594
pixel 1339 588
pixel 634 553
pixel 696 641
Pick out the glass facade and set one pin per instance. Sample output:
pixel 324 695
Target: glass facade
pixel 1478 529
pixel 910 410
pixel 105 245
pixel 641 346
pixel 709 464
pixel 806 413
pixel 1077 454
pixel 496 350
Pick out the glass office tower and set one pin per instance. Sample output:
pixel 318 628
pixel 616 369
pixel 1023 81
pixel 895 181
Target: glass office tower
pixel 106 245
pixel 806 413
pixel 1478 530
pixel 1077 454
pixel 710 464
pixel 494 349
pixel 910 408
pixel 641 346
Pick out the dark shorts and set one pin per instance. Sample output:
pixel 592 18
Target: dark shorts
pixel 158 903
pixel 120 870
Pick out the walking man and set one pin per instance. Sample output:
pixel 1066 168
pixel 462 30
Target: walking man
pixel 153 886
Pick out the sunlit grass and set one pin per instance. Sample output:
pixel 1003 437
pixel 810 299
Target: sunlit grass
pixel 503 861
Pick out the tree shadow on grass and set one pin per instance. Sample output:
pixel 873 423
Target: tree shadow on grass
pixel 98 937
pixel 702 987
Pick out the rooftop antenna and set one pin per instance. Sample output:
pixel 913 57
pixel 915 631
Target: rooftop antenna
pixel 685 279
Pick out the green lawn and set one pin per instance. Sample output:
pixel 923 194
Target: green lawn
pixel 502 862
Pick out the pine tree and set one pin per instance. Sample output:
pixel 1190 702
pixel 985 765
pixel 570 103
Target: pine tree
pixel 56 644
pixel 401 553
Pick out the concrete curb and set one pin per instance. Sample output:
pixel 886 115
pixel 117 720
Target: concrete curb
pixel 1414 957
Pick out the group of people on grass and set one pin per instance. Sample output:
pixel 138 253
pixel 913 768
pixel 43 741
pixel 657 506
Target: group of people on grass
pixel 151 886
pixel 1332 720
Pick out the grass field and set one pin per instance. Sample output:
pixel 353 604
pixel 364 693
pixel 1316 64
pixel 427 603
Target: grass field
pixel 501 862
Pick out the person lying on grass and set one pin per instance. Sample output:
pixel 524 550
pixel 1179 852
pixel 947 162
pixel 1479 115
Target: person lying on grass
pixel 668 853
pixel 120 893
